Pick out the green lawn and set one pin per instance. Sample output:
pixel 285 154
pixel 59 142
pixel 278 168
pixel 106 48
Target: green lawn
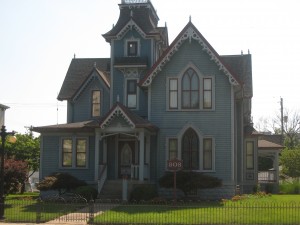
pixel 280 209
pixel 25 207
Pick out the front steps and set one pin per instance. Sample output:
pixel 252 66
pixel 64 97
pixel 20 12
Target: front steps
pixel 112 189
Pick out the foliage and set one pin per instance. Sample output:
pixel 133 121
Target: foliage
pixel 290 162
pixel 188 181
pixel 143 192
pixel 26 148
pixel 15 172
pixel 62 182
pixel 290 187
pixel 87 192
pixel 290 125
pixel 264 163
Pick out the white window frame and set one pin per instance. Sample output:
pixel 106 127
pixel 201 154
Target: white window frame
pixel 201 150
pixel 137 93
pixel 74 152
pixel 94 103
pixel 201 78
pixel 132 39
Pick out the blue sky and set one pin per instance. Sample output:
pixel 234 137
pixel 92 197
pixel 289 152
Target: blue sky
pixel 40 37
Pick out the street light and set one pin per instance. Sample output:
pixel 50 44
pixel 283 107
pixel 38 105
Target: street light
pixel 3 135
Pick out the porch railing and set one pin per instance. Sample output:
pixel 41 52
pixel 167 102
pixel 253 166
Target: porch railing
pixel 269 176
pixel 102 176
pixel 135 169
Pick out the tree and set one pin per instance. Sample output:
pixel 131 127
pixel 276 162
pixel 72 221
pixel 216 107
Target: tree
pixel 26 148
pixel 15 172
pixel 290 162
pixel 290 126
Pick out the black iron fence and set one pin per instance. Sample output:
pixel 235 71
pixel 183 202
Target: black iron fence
pixel 154 212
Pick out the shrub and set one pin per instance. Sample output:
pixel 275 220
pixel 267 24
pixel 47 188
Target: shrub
pixel 87 192
pixel 143 192
pixel 188 181
pixel 15 173
pixel 290 188
pixel 62 182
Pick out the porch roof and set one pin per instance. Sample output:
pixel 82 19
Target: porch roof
pixel 134 120
pixel 267 145
pixel 84 126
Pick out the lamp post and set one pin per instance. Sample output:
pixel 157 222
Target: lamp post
pixel 3 135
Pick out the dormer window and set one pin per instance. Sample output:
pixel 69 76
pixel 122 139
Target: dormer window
pixel 132 47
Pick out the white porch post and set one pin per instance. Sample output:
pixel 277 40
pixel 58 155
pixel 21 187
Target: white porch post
pixel 142 154
pixel 97 141
pixel 276 166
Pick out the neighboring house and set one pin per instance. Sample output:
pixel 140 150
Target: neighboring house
pixel 2 114
pixel 152 101
pixel 269 148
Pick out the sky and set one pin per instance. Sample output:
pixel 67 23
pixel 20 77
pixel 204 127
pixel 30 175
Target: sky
pixel 38 39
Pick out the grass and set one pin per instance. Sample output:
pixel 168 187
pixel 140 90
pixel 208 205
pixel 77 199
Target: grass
pixel 24 208
pixel 280 209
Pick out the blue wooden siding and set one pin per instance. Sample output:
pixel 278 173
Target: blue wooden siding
pixel 82 107
pixel 118 77
pixel 215 123
pixel 51 155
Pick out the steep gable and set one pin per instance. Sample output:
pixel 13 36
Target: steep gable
pixel 188 33
pixel 79 71
pixel 133 120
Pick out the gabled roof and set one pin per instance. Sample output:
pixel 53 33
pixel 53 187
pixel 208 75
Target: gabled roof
pixel 3 107
pixel 241 65
pixel 79 71
pixel 133 120
pixel 267 145
pixel 189 32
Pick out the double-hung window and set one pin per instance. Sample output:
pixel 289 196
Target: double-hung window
pixel 74 152
pixel 207 93
pixel 191 91
pixel 173 148
pixel 67 148
pixel 173 93
pixel 132 94
pixel 81 152
pixel 96 103
pixel 207 153
pixel 250 155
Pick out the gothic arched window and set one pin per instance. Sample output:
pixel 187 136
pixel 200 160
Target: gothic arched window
pixel 190 150
pixel 190 90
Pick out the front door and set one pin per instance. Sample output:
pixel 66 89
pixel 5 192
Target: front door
pixel 125 156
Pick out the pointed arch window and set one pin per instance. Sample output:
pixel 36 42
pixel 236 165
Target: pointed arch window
pixel 190 90
pixel 190 150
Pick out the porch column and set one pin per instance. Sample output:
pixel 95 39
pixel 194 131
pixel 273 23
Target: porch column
pixel 142 155
pixel 97 141
pixel 147 176
pixel 276 166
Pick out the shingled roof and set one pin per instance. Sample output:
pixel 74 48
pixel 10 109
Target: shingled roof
pixel 241 66
pixel 78 72
pixel 142 14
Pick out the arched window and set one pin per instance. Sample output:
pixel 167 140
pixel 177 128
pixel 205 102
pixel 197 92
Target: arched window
pixel 190 90
pixel 190 150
